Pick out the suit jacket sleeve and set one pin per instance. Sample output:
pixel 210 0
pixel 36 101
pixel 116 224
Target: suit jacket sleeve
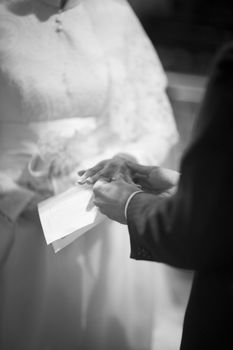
pixel 193 229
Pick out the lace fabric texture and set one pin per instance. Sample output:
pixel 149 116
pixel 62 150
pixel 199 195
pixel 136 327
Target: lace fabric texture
pixel 71 98
pixel 76 87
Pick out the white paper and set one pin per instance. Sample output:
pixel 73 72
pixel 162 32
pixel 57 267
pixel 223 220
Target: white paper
pixel 67 216
pixel 63 242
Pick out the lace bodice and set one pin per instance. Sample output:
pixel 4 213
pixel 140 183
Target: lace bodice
pixel 45 74
pixel 91 62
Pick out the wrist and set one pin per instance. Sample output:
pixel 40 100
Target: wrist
pixel 129 200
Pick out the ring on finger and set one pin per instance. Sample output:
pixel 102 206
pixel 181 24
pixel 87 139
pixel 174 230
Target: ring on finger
pixel 111 179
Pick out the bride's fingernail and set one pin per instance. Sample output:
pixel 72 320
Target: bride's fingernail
pixel 81 180
pixel 78 182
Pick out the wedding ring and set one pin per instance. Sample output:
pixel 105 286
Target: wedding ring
pixel 111 179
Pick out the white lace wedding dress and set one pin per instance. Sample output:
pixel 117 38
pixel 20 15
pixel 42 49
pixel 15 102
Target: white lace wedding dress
pixel 76 86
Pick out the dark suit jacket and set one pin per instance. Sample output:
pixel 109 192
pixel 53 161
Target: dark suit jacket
pixel 194 228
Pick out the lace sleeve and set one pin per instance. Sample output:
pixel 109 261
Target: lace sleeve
pixel 140 115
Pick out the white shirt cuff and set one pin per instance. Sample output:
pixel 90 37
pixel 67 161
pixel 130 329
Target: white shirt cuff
pixel 128 201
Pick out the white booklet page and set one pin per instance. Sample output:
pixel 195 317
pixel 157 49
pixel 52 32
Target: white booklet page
pixel 68 215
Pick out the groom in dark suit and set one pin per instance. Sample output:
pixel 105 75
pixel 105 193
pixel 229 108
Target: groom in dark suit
pixel 192 227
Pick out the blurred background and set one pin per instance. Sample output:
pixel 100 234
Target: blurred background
pixel 186 35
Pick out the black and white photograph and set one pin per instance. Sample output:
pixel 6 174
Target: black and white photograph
pixel 116 170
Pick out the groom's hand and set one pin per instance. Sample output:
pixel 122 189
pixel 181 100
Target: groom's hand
pixel 111 197
pixel 154 179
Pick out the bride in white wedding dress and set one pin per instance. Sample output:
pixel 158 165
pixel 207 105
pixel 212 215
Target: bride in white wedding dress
pixel 79 82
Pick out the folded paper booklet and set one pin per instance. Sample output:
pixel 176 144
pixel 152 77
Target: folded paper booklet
pixel 68 215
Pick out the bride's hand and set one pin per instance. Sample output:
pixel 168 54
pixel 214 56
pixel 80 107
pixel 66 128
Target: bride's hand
pixel 109 169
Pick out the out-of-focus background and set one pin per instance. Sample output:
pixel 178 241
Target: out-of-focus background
pixel 186 34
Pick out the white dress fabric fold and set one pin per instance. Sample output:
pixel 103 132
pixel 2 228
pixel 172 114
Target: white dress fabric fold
pixel 76 86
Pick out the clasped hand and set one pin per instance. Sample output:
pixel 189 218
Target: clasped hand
pixel 115 179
